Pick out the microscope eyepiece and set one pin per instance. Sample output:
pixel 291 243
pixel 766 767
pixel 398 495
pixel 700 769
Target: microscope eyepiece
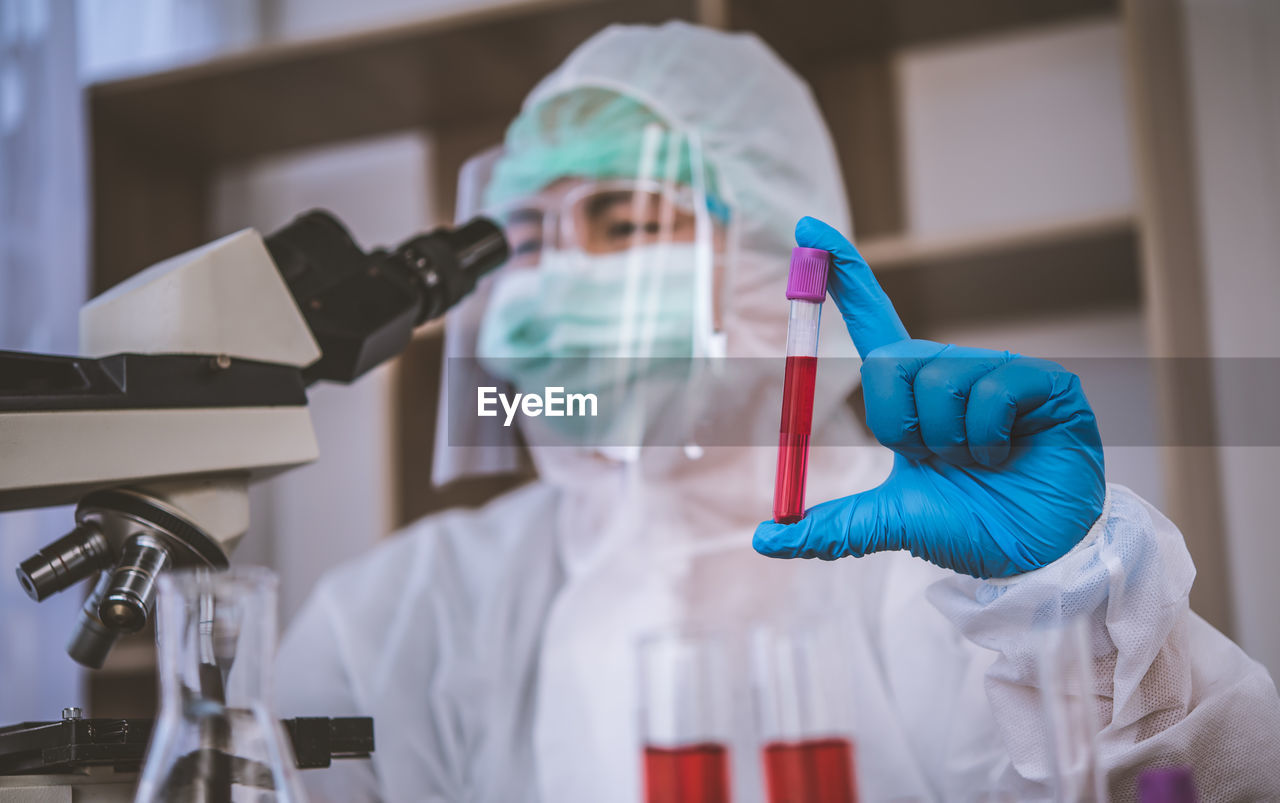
pixel 362 307
pixel 448 263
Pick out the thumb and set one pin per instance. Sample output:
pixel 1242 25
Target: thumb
pixel 854 525
pixel 868 313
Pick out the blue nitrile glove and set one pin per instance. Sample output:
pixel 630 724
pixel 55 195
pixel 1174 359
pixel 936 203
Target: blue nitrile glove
pixel 998 464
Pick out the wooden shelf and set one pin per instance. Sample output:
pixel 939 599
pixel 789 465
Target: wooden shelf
pixel 1087 263
pixel 811 31
pixel 455 68
pixel 899 252
pixel 158 139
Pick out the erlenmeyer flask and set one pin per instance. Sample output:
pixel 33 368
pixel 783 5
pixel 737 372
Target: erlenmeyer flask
pixel 217 739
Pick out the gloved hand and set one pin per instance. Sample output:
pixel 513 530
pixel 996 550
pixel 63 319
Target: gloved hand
pixel 998 463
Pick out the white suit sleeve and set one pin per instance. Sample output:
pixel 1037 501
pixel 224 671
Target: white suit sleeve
pixel 1169 688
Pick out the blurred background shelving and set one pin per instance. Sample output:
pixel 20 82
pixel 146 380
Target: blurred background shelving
pixel 1009 168
pixel 1071 265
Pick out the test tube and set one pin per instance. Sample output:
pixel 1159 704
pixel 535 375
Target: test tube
pixel 686 717
pixel 803 707
pixel 806 287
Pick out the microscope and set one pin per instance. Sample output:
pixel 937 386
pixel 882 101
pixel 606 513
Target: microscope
pixel 192 385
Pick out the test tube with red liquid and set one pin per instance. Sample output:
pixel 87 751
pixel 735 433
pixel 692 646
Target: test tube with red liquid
pixel 692 773
pixel 686 719
pixel 806 287
pixel 803 710
pixel 817 770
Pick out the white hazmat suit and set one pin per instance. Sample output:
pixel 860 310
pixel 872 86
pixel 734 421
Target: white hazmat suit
pixel 495 648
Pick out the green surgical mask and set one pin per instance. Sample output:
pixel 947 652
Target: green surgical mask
pixel 617 325
pixel 632 305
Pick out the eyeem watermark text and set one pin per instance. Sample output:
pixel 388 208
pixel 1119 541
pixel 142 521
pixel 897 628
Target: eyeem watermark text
pixel 553 402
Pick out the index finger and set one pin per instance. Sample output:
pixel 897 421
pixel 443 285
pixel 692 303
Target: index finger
pixel 868 313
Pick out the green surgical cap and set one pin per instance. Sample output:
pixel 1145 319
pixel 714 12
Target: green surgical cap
pixel 591 133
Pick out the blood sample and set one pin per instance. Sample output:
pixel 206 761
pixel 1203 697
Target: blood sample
pixel 810 771
pixel 696 773
pixel 806 287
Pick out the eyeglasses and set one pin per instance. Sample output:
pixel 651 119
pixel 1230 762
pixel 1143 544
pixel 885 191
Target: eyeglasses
pixel 598 217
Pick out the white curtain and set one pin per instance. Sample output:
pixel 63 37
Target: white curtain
pixel 43 279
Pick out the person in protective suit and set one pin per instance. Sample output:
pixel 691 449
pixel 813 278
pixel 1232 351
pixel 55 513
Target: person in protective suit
pixel 650 188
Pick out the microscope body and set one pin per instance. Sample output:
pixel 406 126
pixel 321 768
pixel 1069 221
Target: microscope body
pixel 139 419
pixel 193 385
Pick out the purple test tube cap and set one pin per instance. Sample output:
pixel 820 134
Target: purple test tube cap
pixel 808 277
pixel 1166 785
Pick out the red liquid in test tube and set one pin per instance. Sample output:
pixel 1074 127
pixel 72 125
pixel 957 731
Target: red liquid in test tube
pixel 806 287
pixel 811 771
pixel 696 773
pixel 793 440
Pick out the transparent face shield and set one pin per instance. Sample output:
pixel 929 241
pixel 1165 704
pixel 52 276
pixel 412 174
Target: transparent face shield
pixel 615 289
pixel 598 218
pixel 658 228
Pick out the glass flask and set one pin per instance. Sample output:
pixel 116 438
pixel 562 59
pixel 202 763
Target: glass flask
pixel 1071 704
pixel 217 739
